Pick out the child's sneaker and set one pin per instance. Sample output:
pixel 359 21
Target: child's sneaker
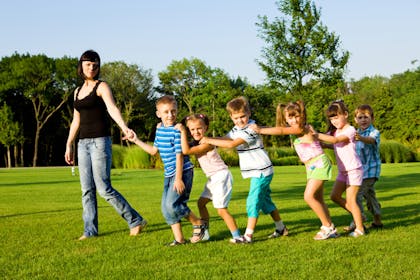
pixel 247 238
pixel 278 233
pixel 326 232
pixel 356 233
pixel 206 235
pixel 238 240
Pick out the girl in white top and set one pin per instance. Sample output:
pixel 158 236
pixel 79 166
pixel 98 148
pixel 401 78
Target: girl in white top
pixel 218 187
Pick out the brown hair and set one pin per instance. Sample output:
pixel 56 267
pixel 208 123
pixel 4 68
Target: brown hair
pixel 239 104
pixel 293 109
pixel 364 109
pixel 195 117
pixel 336 108
pixel 89 55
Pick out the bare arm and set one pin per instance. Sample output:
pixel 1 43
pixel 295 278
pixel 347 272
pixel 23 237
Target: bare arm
pixel 179 185
pixel 186 149
pixel 365 139
pixel 105 92
pixel 332 139
pixel 74 128
pixel 146 147
pixel 280 130
pixel 223 142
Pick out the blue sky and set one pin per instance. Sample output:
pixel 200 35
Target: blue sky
pixel 381 35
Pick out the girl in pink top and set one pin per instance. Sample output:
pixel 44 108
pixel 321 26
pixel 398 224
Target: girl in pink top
pixel 218 187
pixel 309 150
pixel 350 172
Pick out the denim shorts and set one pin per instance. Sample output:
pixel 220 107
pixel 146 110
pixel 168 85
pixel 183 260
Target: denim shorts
pixel 174 205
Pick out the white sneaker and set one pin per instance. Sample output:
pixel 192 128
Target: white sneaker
pixel 248 238
pixel 356 233
pixel 206 235
pixel 238 240
pixel 326 232
pixel 278 233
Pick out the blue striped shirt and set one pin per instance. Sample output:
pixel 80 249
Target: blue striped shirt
pixel 369 153
pixel 168 142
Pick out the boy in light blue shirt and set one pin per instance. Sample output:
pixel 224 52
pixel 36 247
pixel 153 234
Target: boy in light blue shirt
pixel 367 147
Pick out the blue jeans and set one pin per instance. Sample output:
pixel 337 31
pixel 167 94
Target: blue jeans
pixel 95 158
pixel 174 205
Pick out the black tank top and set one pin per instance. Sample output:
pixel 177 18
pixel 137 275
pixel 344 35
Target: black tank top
pixel 94 118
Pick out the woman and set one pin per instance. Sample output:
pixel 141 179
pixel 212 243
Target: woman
pixel 92 103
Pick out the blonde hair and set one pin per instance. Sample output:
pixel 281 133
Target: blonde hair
pixel 166 99
pixel 239 104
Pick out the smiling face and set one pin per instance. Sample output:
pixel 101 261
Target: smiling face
pixel 292 119
pixel 197 129
pixel 167 113
pixel 240 118
pixel 340 120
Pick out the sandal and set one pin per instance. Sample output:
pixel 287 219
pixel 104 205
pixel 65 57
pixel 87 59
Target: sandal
pixel 326 232
pixel 198 236
pixel 176 243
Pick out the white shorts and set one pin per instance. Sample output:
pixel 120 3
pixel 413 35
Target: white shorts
pixel 218 188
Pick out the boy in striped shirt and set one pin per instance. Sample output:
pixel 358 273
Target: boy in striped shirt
pixel 178 171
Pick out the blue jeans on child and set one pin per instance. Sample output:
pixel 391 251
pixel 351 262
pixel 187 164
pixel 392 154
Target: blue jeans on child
pixel 174 205
pixel 95 159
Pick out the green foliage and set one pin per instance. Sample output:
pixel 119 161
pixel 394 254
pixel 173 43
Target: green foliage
pixel 299 48
pixel 392 151
pixel 136 158
pixel 118 154
pixel 230 156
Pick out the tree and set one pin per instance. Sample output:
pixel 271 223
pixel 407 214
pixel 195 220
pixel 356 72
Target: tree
pixel 10 131
pixel 132 88
pixel 200 89
pixel 46 83
pixel 299 48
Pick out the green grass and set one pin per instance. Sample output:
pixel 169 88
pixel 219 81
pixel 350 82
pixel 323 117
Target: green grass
pixel 40 221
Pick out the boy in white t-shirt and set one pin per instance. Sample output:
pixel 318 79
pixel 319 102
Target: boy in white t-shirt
pixel 254 163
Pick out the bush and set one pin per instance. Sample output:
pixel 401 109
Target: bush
pixel 118 154
pixel 136 158
pixel 230 156
pixel 394 152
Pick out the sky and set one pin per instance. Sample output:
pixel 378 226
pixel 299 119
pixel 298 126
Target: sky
pixel 382 36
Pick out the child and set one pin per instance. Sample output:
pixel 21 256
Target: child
pixel 218 187
pixel 350 171
pixel 254 163
pixel 309 150
pixel 367 147
pixel 178 172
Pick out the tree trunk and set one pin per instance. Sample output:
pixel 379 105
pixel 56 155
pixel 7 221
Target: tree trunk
pixel 15 153
pixel 22 163
pixel 9 159
pixel 35 158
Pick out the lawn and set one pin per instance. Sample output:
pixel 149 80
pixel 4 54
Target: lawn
pixel 40 221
